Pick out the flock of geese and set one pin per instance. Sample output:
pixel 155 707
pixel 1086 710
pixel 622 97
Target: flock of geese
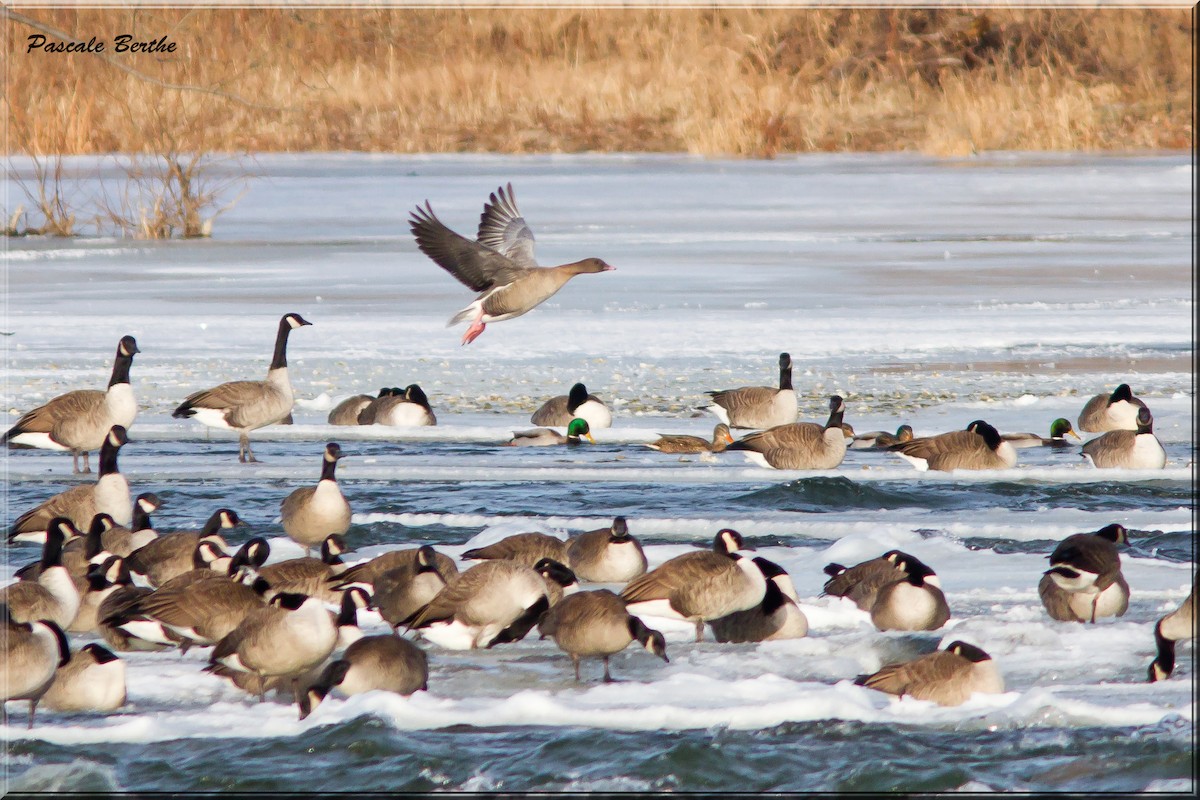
pixel 292 626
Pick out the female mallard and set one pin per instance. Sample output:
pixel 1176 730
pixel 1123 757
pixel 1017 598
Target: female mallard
pixel 678 443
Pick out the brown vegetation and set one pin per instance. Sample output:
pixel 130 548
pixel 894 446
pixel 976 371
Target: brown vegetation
pixel 746 82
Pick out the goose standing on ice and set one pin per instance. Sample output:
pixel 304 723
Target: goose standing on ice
pixel 313 513
pixel 758 406
pixel 559 411
pixel 80 420
pixel 597 624
pixel 1111 412
pixel 1084 582
pixel 244 406
pixel 500 264
pixel 30 652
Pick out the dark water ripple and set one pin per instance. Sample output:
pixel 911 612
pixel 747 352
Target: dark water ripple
pixel 827 756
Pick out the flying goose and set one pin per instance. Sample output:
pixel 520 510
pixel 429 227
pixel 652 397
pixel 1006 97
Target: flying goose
pixel 545 437
pixel 500 265
pixel 309 576
pixel 778 616
pixel 402 591
pixel 1059 430
pixel 1084 582
pixel 758 406
pixel 948 677
pixel 408 409
pixel 30 652
pixel 109 494
pixel 80 420
pixel 979 446
pixel 523 548
pixel 120 540
pixel 679 443
pixel 559 411
pixel 699 586
pixel 480 605
pixel 291 634
pixel 913 603
pixel 173 553
pixel 799 445
pixel 244 406
pixel 53 596
pixel 366 573
pixel 591 624
pixel 385 663
pixel 1123 449
pixel 877 440
pixel 862 582
pixel 606 555
pixel 312 513
pixel 1111 412
pixel 1177 626
pixel 92 680
pixel 347 411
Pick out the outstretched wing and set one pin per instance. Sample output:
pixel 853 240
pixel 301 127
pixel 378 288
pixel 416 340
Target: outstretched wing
pixel 478 267
pixel 503 229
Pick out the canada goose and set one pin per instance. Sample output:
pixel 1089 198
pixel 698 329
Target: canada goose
pixel 560 410
pixel 31 652
pixel 560 581
pixel 607 555
pixel 92 680
pixel 1123 449
pixel 594 624
pixel 948 677
pixel 312 513
pixel 500 265
pixel 411 409
pixel 386 663
pixel 366 573
pixel 1111 412
pixel 109 495
pixel 211 561
pixel 79 421
pixel 862 582
pixel 913 603
pixel 523 548
pixel 1084 581
pixel 778 616
pixel 758 406
pixel 678 443
pixel 979 446
pixel 476 608
pixel 173 553
pixel 53 596
pixel 877 440
pixel 402 591
pixel 799 445
pixel 1177 626
pixel 309 576
pixel 291 634
pixel 101 581
pixel 78 554
pixel 544 437
pixel 201 612
pixel 120 540
pixel 123 596
pixel 347 411
pixel 698 587
pixel 244 406
pixel 1059 430
pixel 367 415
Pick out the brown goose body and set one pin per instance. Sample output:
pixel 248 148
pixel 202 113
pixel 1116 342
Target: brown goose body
pixel 579 404
pixel 79 421
pixel 1111 412
pixel 1084 582
pixel 30 653
pixel 606 555
pixel 862 582
pixel 1177 626
pixel 93 680
pixel 368 572
pixel 948 677
pixel 121 540
pixel 308 576
pixel 54 595
pixel 523 548
pixel 914 603
pixel 401 592
pixel 977 447
pixel 476 608
pixel 758 406
pixel 500 264
pixel 799 445
pixel 347 411
pixel 1122 449
pixel 597 624
pixel 174 553
pixel 291 635
pixel 311 514
pixel 777 617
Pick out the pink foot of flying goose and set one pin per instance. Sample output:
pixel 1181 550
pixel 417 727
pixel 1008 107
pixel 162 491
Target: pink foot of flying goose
pixel 500 264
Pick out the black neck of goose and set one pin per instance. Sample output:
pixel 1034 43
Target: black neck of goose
pixel 52 550
pixel 328 467
pixel 348 615
pixel 773 598
pixel 141 519
pixel 1165 658
pixel 108 458
pixel 281 339
pixel 577 397
pixel 212 524
pixel 835 418
pixel 120 373
pixel 92 544
pixel 785 378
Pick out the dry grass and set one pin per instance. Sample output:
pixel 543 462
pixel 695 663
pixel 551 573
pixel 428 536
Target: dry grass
pixel 737 82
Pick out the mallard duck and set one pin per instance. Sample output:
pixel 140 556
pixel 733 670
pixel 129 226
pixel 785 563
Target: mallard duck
pixel 680 443
pixel 544 437
pixel 1059 429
